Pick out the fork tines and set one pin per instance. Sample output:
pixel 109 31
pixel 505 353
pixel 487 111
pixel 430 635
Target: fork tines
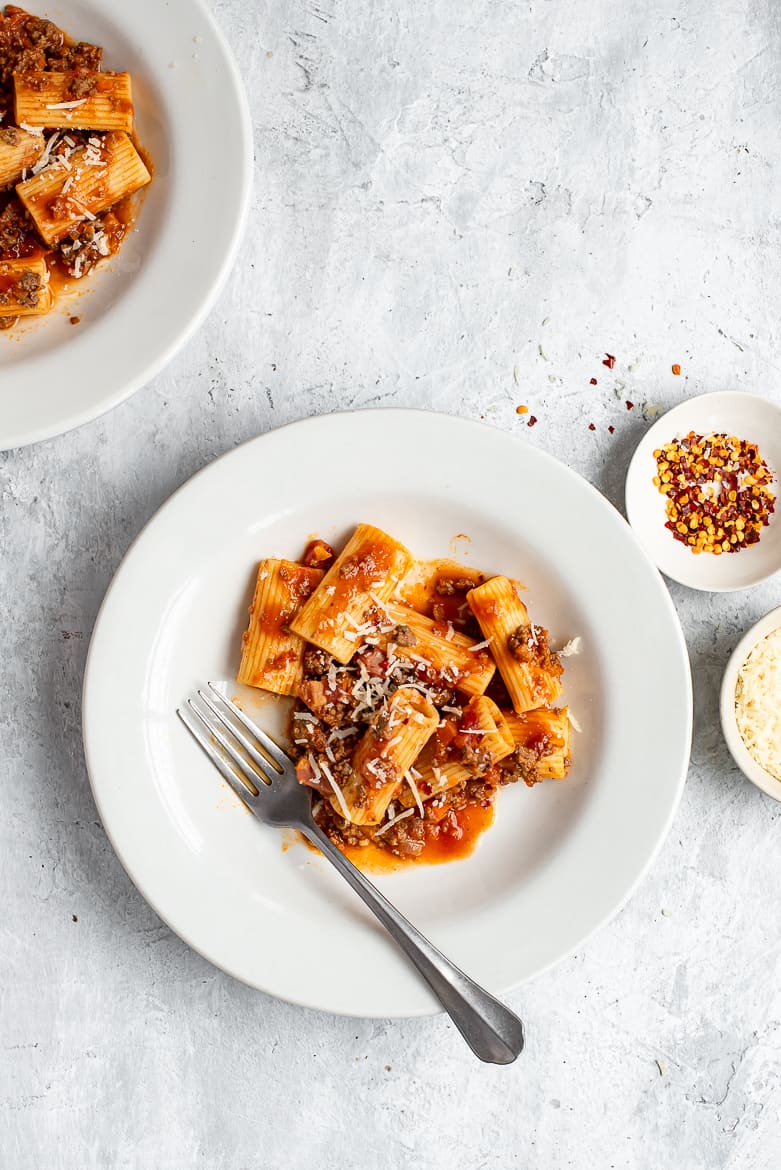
pixel 217 723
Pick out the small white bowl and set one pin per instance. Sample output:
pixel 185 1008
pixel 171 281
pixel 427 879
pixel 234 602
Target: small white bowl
pixel 729 412
pixel 729 725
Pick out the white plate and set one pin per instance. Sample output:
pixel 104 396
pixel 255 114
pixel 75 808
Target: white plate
pixel 561 857
pixel 744 415
pixel 192 117
pixel 729 724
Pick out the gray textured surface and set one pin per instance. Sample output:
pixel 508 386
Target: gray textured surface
pixel 460 207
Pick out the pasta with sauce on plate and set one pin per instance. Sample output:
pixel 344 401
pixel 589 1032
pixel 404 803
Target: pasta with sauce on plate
pixel 69 162
pixel 420 689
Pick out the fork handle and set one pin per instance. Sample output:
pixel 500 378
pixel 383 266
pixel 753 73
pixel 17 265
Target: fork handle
pixel 492 1031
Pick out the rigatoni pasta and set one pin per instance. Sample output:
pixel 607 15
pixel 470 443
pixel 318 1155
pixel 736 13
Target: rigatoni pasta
pixel 383 758
pixel 19 150
pixel 401 724
pixel 74 101
pixel 456 657
pixel 272 656
pixel 544 732
pixel 364 575
pixel 520 648
pixel 97 176
pixel 24 288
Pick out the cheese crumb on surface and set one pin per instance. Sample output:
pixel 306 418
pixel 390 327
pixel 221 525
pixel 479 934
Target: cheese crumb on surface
pixel 758 703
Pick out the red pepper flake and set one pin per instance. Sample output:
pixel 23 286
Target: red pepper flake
pixel 521 410
pixel 717 492
pixel 612 430
pixel 75 320
pixel 532 420
pixel 676 369
pixel 609 361
pixel 591 427
pixel 630 405
pixel 593 382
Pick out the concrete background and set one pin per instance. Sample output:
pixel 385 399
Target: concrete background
pixel 462 207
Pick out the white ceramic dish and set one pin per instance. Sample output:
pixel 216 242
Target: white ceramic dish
pixel 560 859
pixel 192 117
pixel 740 753
pixel 744 415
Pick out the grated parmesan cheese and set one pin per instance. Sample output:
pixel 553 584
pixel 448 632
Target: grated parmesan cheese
pixel 570 648
pixel 395 821
pixel 74 105
pixel 758 703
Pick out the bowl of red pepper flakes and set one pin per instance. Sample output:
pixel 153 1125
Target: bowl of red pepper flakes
pixel 701 491
pixel 717 489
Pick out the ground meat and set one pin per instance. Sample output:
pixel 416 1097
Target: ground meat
pixel 530 645
pixel 15 229
pixel 475 757
pixel 10 135
pixel 81 85
pixel 86 245
pixel 331 704
pixel 316 662
pixel 521 765
pixel 29 44
pixel 313 733
pixel 43 34
pixel 28 289
pixel 403 636
pixel 380 724
pixel 407 837
pixel 448 586
pixel 82 56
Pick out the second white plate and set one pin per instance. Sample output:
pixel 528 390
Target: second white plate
pixel 138 309
pixel 560 859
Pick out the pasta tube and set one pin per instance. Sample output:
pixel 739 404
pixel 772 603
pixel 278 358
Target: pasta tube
pixel 19 150
pixel 529 670
pixel 545 731
pixel 366 572
pixel 24 288
pixel 60 197
pixel 79 101
pixel 272 656
pixel 449 654
pixel 387 751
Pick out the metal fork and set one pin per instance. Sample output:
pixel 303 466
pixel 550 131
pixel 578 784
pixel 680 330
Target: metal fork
pixel 271 791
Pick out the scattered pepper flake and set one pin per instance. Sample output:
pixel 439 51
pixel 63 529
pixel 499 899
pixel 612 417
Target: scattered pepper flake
pixel 630 405
pixel 75 320
pixel 609 361
pixel 611 429
pixel 592 382
pixel 532 420
pixel 521 410
pixel 676 369
pixel 717 489
pixel 591 427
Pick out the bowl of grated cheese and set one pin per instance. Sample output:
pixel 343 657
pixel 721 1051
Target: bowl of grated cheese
pixel 751 704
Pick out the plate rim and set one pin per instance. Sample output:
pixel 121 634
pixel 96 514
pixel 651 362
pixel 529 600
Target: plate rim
pixel 471 425
pixel 68 421
pixel 631 476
